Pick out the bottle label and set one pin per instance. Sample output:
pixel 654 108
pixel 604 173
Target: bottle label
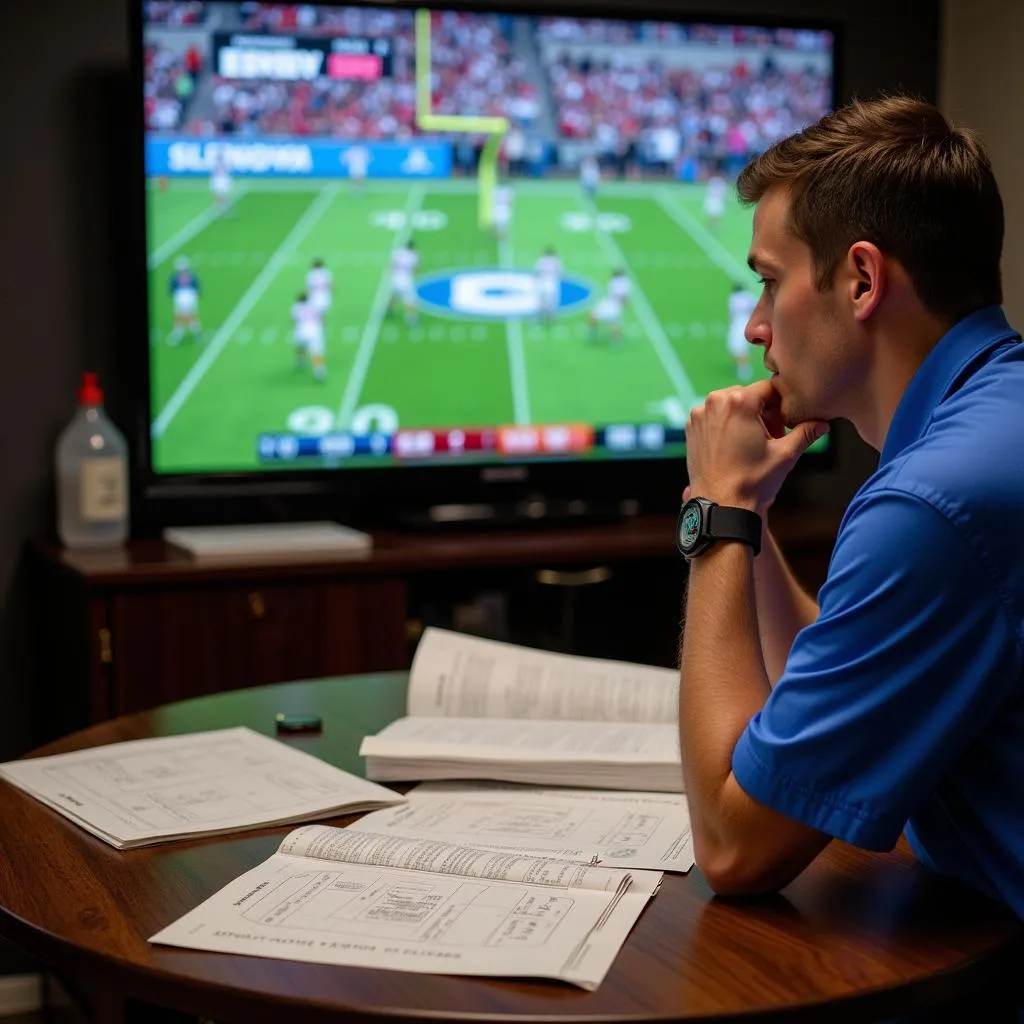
pixel 103 490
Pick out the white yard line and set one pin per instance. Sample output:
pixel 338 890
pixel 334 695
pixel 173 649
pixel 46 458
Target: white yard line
pixel 713 248
pixel 371 329
pixel 190 230
pixel 514 344
pixel 236 317
pixel 655 332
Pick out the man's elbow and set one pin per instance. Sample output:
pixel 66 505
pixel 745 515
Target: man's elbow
pixel 731 879
pixel 743 873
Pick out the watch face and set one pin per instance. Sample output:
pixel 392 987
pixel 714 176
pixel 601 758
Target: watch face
pixel 689 526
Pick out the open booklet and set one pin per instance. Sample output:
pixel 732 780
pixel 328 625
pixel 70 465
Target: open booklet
pixel 612 828
pixel 480 709
pixel 178 787
pixel 357 898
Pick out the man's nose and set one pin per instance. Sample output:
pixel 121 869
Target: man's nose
pixel 758 331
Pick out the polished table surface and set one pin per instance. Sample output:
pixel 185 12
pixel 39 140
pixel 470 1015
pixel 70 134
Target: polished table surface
pixel 857 937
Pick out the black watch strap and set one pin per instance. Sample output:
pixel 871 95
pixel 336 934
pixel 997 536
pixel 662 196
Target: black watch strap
pixel 726 522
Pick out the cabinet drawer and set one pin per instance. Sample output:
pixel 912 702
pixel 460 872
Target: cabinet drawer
pixel 184 642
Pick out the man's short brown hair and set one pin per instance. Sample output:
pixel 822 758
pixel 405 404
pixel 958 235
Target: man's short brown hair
pixel 894 172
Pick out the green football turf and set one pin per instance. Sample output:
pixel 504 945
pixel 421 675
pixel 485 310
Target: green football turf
pixel 212 398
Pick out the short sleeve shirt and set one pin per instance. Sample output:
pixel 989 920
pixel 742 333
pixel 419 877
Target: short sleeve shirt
pixel 902 706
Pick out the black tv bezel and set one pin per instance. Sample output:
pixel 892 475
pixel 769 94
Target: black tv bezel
pixel 374 494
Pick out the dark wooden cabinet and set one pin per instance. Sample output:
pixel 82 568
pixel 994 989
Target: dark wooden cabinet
pixel 219 637
pixel 125 630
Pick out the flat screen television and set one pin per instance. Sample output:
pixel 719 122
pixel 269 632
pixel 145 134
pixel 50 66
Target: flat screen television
pixel 406 256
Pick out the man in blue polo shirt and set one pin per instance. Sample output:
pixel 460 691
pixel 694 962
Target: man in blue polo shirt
pixel 897 705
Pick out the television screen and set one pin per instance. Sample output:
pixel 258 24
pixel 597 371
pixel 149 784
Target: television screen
pixel 383 236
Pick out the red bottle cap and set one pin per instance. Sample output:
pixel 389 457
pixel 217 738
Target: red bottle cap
pixel 90 393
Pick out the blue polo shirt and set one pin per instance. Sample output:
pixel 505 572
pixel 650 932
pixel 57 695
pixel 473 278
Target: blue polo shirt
pixel 902 706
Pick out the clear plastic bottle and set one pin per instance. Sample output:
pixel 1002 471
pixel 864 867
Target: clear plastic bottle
pixel 92 475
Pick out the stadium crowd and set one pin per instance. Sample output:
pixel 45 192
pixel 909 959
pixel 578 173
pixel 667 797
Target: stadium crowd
pixel 169 82
pixel 638 114
pixel 632 111
pixel 174 12
pixel 598 30
pixel 474 73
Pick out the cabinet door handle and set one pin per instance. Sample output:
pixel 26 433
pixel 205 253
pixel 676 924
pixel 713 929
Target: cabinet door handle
pixel 106 647
pixel 257 606
pixel 578 578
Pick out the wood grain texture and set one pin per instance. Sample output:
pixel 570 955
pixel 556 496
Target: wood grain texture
pixel 145 625
pixel 210 638
pixel 143 563
pixel 858 936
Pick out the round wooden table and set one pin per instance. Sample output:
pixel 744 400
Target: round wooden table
pixel 857 937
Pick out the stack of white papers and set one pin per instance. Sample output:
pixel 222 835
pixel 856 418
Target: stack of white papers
pixel 180 787
pixel 596 754
pixel 479 709
pixel 355 897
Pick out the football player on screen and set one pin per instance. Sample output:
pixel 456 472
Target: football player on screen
pixel 320 286
pixel 714 199
pixel 220 182
pixel 184 301
pixel 741 306
pixel 609 309
pixel 357 160
pixel 308 336
pixel 590 175
pixel 548 270
pixel 502 211
pixel 403 287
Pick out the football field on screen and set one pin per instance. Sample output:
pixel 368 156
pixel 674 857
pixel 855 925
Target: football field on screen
pixel 213 396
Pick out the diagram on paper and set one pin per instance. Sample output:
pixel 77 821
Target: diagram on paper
pixel 523 821
pixel 192 783
pixel 439 910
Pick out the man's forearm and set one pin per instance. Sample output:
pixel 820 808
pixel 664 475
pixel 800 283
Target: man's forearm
pixel 783 607
pixel 723 679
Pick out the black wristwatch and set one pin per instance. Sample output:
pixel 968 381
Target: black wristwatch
pixel 702 522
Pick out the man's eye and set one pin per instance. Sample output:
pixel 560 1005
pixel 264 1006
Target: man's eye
pixel 765 282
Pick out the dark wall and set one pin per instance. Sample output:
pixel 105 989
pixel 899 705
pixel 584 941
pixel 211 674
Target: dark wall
pixel 52 324
pixel 59 272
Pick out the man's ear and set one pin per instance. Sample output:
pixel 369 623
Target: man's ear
pixel 866 278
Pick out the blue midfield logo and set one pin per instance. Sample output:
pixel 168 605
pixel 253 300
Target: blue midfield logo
pixel 496 294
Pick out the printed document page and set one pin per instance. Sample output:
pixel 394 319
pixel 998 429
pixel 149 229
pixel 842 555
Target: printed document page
pixel 175 787
pixel 458 675
pixel 342 896
pixel 356 845
pixel 610 828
